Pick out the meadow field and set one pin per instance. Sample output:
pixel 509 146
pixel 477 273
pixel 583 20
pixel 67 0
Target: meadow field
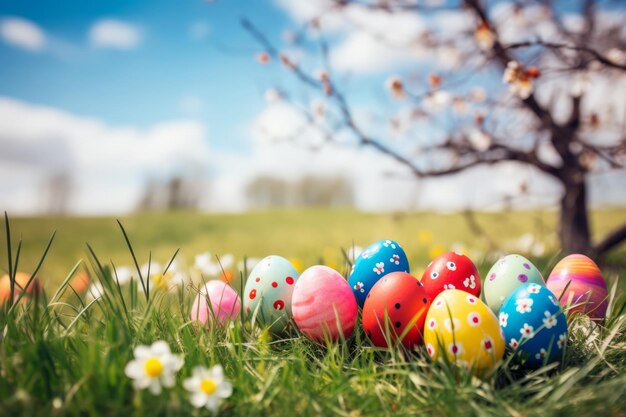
pixel 310 236
pixel 65 353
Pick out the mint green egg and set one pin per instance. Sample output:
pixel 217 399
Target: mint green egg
pixel 505 276
pixel 268 290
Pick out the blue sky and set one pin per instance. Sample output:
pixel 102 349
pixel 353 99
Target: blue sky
pixel 145 85
pixel 116 93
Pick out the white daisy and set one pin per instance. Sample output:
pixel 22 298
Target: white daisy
pixel 208 387
pixel 154 366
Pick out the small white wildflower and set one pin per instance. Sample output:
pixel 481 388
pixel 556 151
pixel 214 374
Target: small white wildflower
pixel 208 387
pixel 153 367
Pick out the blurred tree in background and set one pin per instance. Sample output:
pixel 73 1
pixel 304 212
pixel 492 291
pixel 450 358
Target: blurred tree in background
pixel 309 191
pixel 537 83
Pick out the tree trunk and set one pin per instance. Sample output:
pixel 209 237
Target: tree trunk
pixel 574 223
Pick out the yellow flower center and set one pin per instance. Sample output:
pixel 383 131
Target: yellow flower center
pixel 153 367
pixel 208 386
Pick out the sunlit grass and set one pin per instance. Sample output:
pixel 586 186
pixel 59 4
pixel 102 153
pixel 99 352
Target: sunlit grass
pixel 61 354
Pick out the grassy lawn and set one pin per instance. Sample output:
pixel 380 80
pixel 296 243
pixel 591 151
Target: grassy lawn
pixel 66 355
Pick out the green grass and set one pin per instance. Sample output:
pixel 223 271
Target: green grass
pixel 60 355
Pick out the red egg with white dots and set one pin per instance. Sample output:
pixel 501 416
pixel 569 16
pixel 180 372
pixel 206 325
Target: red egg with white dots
pixel 451 271
pixel 395 310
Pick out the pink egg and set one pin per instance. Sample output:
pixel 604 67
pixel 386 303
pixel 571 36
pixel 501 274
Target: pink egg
pixel 223 303
pixel 323 304
pixel 578 282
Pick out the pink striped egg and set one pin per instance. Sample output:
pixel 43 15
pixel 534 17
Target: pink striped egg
pixel 323 304
pixel 576 280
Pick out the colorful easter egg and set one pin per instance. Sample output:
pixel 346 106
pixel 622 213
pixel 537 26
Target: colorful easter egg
pixel 577 281
pixel 21 279
pixel 534 325
pixel 323 304
pixel 395 309
pixel 377 260
pixel 505 276
pixel 216 300
pixel 451 271
pixel 462 328
pixel 80 282
pixel 268 291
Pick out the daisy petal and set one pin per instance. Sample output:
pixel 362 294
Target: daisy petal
pixel 217 373
pixel 212 403
pixel 141 383
pixel 155 387
pixel 160 348
pixel 176 362
pixel 134 369
pixel 168 380
pixel 142 352
pixel 198 399
pixel 224 390
pixel 191 384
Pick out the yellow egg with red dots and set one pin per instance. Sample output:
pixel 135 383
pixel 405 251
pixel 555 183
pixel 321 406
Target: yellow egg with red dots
pixel 461 327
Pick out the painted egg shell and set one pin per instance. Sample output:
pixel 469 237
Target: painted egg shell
pixel 534 325
pixel 217 299
pixel 21 279
pixel 505 276
pixel 586 287
pixel 451 271
pixel 463 328
pixel 323 304
pixel 395 308
pixel 377 260
pixel 268 292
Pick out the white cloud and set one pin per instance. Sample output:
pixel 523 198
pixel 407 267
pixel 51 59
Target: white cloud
pixel 117 34
pixel 361 52
pixel 108 164
pixel 22 33
pixel 373 40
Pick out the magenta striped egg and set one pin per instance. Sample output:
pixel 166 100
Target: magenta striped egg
pixel 578 282
pixel 323 304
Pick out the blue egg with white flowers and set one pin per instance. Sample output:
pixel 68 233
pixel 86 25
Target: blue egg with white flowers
pixel 533 325
pixel 376 261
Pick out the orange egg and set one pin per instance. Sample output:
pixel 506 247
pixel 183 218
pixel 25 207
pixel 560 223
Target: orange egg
pixel 21 279
pixel 80 282
pixel 227 276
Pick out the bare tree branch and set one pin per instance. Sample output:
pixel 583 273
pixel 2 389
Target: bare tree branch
pixel 564 46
